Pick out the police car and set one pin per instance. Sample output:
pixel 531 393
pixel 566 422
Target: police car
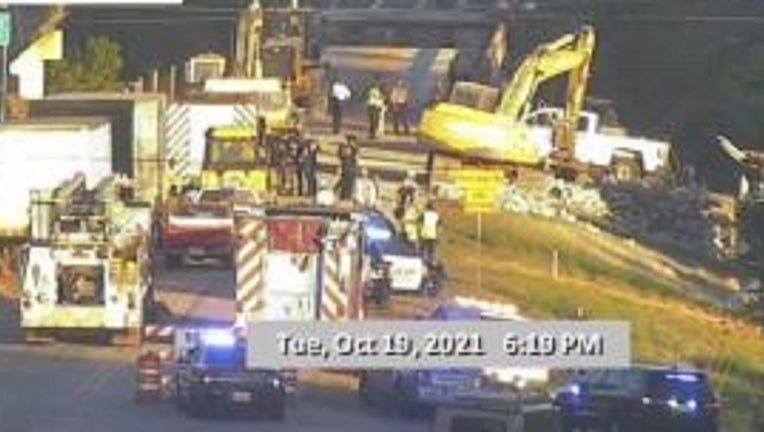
pixel 212 379
pixel 643 397
pixel 408 271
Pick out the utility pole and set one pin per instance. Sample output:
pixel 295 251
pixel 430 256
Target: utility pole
pixel 5 40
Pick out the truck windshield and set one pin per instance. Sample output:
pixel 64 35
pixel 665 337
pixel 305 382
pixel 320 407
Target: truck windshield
pixel 80 284
pixel 233 152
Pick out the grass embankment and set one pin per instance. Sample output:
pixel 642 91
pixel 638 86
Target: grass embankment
pixel 610 280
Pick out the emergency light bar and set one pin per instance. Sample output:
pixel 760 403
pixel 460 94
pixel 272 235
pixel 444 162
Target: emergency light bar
pixel 220 338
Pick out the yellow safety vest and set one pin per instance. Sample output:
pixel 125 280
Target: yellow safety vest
pixel 430 225
pixel 410 224
pixel 375 98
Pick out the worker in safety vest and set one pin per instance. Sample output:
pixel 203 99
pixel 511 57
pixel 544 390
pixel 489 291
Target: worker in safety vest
pixel 411 225
pixel 375 105
pixel 428 233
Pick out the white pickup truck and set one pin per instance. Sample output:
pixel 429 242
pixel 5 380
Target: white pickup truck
pixel 628 157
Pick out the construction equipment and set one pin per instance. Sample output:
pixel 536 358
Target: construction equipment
pixel 85 267
pixel 483 125
pixel 478 123
pixel 273 44
pixel 236 156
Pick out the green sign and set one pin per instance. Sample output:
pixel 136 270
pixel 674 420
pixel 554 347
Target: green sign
pixel 5 28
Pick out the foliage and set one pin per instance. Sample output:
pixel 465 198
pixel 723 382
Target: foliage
pixel 610 279
pixel 96 69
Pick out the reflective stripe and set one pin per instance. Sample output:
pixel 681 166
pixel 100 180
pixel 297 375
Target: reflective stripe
pixel 177 135
pixel 249 270
pixel 334 302
pixel 430 225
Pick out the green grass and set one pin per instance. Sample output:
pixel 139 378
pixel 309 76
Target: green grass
pixel 666 325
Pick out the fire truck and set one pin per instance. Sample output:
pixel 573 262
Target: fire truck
pixel 85 268
pixel 299 262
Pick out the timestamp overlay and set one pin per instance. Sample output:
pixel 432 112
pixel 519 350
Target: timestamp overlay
pixel 426 344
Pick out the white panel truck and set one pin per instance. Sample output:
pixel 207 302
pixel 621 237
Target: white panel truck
pixel 85 269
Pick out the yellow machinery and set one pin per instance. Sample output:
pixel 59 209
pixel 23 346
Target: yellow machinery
pixel 234 158
pixel 275 47
pixel 481 123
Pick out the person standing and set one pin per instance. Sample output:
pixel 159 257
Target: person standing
pixel 411 226
pixel 339 94
pixel 300 158
pixel 399 99
pixel 348 155
pixel 311 166
pixel 375 104
pixel 430 224
pixel 406 193
pixel 366 190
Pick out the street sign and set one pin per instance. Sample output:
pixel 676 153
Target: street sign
pixel 5 29
pixel 480 188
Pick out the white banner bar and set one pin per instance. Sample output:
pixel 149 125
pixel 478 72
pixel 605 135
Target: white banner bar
pixel 438 344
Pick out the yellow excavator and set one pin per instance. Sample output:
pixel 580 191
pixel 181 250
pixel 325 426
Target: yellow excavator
pixel 481 124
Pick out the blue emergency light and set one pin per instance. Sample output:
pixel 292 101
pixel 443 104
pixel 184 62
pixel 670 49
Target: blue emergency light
pixel 378 234
pixel 221 338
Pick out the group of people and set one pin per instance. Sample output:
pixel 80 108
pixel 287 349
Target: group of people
pixel 295 161
pixel 378 101
pixel 420 227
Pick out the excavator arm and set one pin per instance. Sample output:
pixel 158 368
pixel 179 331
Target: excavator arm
pixel 500 134
pixel 571 53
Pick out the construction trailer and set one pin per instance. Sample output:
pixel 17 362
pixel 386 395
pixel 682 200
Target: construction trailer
pixel 85 269
pixel 299 263
pixel 136 131
pixel 39 153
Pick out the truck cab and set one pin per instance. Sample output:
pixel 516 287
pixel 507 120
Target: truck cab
pixel 629 157
pixel 212 377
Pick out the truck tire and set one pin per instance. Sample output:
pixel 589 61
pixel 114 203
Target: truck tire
pixel 626 168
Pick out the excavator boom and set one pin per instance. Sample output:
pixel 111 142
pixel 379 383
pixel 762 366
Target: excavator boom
pixel 501 134
pixel 568 54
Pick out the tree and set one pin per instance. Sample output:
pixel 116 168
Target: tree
pixel 96 69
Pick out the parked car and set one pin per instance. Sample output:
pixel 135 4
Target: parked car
pixel 641 398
